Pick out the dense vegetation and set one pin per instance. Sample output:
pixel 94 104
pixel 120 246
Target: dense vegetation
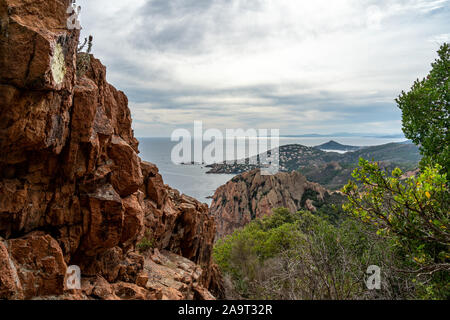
pixel 413 214
pixel 398 224
pixel 305 256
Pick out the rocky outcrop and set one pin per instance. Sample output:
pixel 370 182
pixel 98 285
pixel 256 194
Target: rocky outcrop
pixel 31 266
pixel 251 196
pixel 180 224
pixel 73 190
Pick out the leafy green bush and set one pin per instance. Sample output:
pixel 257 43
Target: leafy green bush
pixel 304 256
pixel 259 240
pixel 147 243
pixel 414 213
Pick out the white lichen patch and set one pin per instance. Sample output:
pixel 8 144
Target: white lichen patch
pixel 58 64
pixel 13 268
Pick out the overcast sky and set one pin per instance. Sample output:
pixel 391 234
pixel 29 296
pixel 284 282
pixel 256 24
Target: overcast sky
pixel 300 66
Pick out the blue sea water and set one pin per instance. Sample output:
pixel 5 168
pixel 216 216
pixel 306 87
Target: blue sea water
pixel 193 181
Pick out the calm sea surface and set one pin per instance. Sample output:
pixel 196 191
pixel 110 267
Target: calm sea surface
pixel 192 180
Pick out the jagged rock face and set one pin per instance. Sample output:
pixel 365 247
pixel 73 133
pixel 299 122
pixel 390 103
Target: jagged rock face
pixel 73 189
pixel 180 224
pixel 31 266
pixel 251 196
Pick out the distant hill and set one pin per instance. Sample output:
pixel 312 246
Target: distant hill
pixel 391 152
pixel 346 134
pixel 333 145
pixel 331 169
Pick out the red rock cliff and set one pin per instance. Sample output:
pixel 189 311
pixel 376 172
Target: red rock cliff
pixel 251 196
pixel 73 190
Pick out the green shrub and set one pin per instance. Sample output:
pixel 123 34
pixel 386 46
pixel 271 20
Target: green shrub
pixel 304 256
pixel 84 58
pixel 147 243
pixel 414 214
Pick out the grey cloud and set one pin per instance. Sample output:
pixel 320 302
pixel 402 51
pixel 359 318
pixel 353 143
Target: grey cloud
pixel 182 25
pixel 171 24
pixel 164 31
pixel 175 8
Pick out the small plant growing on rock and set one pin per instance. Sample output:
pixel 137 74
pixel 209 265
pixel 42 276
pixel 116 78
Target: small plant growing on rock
pixel 147 243
pixel 84 58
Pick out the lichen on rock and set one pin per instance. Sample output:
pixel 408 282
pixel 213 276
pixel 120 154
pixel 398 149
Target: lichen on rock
pixel 58 64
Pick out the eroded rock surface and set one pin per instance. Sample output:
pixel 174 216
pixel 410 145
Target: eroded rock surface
pixel 73 190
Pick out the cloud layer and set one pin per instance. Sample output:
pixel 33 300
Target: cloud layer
pixel 301 66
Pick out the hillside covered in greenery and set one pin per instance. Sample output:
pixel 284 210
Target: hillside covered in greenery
pixel 332 169
pixel 304 256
